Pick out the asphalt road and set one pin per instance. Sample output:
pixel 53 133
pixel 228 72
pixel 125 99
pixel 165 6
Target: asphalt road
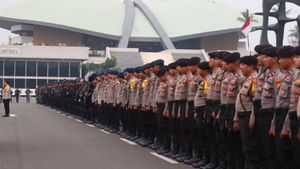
pixel 36 137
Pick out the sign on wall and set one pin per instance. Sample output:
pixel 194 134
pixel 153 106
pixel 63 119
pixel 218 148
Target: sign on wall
pixel 9 51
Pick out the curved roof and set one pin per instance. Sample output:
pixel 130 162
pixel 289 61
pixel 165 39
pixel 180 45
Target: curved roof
pixel 105 17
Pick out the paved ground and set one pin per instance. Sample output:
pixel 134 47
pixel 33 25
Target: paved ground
pixel 37 137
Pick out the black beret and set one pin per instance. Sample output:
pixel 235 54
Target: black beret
pixel 286 51
pixel 204 66
pixel 172 65
pixel 271 51
pixel 260 48
pixel 113 72
pixel 162 71
pixel 147 66
pixel 182 62
pixel 158 62
pixel 121 74
pixel 129 70
pixel 212 55
pixel 249 60
pixel 297 50
pixel 193 61
pixel 222 54
pixel 139 69
pixel 232 57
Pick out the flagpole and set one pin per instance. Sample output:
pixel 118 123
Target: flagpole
pixel 248 43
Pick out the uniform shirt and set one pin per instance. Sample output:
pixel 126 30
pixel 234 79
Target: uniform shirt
pixel 270 89
pixel 259 83
pixel 181 87
pixel 283 98
pixel 102 91
pixel 192 86
pixel 202 91
pixel 146 92
pixel 295 92
pixel 95 93
pixel 171 88
pixel 246 94
pixel 162 92
pixel 111 96
pixel 132 90
pixel 218 84
pixel 212 82
pixel 224 87
pixel 139 93
pixel 234 87
pixel 122 96
pixel 153 90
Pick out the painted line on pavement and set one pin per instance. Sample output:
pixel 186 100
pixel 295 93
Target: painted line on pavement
pixel 104 131
pixel 128 141
pixel 79 120
pixel 90 125
pixel 164 158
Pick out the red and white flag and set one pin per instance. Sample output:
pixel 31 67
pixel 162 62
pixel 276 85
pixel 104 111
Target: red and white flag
pixel 247 27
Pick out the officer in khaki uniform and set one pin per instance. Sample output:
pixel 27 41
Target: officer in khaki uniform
pixel 245 112
pixel 268 101
pixel 169 110
pixel 180 108
pixel 200 108
pixel 259 49
pixel 190 135
pixel 283 145
pixel 234 81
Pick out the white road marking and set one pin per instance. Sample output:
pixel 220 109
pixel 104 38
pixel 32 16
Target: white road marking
pixel 104 131
pixel 128 141
pixel 70 117
pixel 12 115
pixel 90 125
pixel 79 120
pixel 164 158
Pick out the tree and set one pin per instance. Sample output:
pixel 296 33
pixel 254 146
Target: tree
pixel 110 63
pixel 294 35
pixel 245 15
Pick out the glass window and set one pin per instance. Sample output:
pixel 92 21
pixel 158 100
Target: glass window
pixel 20 68
pixel 1 82
pixel 41 82
pixel 11 82
pixel 20 83
pixel 1 68
pixel 31 83
pixel 9 68
pixel 64 69
pixel 31 68
pixel 74 69
pixel 53 69
pixel 42 68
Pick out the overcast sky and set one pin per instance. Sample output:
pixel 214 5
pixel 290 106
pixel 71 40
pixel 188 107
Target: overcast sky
pixel 253 5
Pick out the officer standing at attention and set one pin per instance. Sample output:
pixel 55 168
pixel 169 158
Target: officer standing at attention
pixel 283 145
pixel 245 113
pixel 268 102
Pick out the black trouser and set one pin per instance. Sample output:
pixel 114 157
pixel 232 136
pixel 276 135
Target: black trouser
pixel 295 124
pixel 139 123
pixel 283 145
pixel 268 141
pixel 161 128
pixel 190 132
pixel 6 106
pixel 249 143
pixel 179 125
pixel 259 123
pixel 202 141
pixel 235 153
pixel 17 98
pixel 168 121
pixel 222 134
pixel 210 131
